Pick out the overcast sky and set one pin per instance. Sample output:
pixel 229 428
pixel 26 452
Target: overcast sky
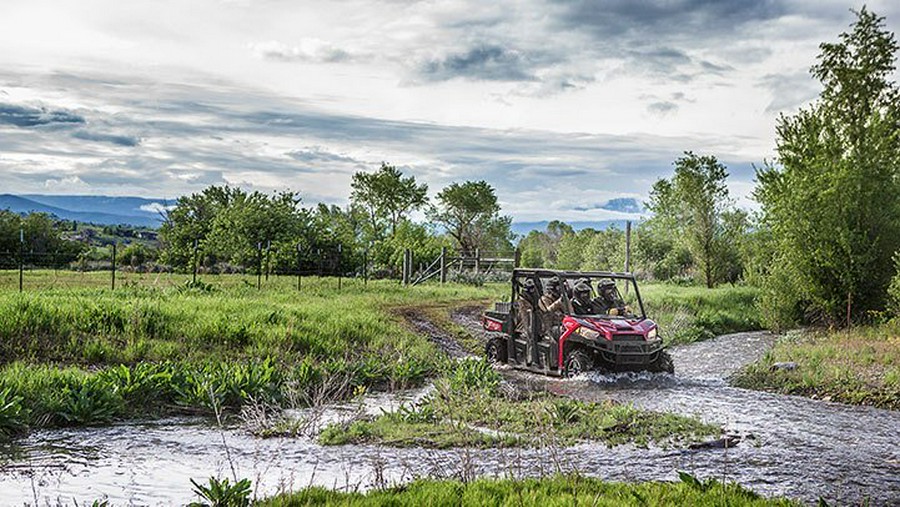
pixel 560 105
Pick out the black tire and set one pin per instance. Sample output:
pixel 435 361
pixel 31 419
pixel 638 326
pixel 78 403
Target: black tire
pixel 495 350
pixel 578 361
pixel 663 364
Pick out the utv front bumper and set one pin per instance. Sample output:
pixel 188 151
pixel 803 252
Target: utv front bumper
pixel 628 353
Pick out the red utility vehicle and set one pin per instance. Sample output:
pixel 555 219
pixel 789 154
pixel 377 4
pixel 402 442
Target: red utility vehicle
pixel 586 331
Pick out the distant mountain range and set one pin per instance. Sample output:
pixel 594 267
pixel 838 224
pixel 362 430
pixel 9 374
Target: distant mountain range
pixel 95 209
pixel 523 228
pixel 138 211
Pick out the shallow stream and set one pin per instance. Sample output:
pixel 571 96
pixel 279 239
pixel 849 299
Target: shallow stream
pixel 790 446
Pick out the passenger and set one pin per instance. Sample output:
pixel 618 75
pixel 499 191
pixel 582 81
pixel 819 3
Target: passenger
pixel 525 316
pixel 551 305
pixel 581 300
pixel 525 312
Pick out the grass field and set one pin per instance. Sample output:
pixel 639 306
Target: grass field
pixel 551 491
pixel 74 352
pixel 857 366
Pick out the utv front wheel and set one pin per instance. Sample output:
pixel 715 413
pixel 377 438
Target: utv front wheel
pixel 495 350
pixel 578 362
pixel 664 363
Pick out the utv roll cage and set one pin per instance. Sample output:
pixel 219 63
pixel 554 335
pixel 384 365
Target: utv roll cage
pixel 520 274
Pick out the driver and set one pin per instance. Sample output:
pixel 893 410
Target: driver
pixel 581 300
pixel 608 301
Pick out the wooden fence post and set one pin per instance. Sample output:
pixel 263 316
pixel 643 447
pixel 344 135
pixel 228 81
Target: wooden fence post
pixel 517 258
pixel 443 265
pixel 477 260
pixel 114 266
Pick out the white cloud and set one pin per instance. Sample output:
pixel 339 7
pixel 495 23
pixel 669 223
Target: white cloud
pixel 155 207
pixel 309 51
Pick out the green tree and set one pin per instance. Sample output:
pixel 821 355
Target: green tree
pixel 540 249
pixel 691 206
pixel 832 199
pixel 387 197
pixel 44 243
pixel 230 224
pixel 470 214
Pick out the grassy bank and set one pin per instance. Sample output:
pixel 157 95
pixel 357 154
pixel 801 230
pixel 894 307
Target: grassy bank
pixel 689 314
pixel 469 407
pixel 74 352
pixel 92 355
pixel 856 366
pixel 550 491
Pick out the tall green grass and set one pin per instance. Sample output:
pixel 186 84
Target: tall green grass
pixel 561 490
pixel 689 314
pixel 860 366
pixel 90 355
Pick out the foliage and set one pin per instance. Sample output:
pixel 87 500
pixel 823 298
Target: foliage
pixel 231 225
pixel 221 493
pixel 473 374
pixel 145 351
pixel 387 197
pixel 470 213
pixel 858 366
pixel 832 202
pixel 46 246
pixel 465 416
pixel 693 206
pixel 893 306
pixel 557 490
pixel 540 249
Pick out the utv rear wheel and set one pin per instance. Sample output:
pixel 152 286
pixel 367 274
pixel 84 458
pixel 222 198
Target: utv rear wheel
pixel 577 362
pixel 495 350
pixel 664 363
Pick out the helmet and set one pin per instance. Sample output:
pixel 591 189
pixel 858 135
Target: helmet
pixel 528 286
pixel 583 290
pixel 552 286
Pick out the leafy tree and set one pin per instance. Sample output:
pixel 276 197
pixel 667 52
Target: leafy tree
pixel 832 199
pixel 44 242
pixel 229 224
pixel 541 248
pixel 470 214
pixel 691 207
pixel 387 197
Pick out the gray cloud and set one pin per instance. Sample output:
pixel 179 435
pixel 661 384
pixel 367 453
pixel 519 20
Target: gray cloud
pixel 789 91
pixel 662 108
pixel 319 154
pixel 204 135
pixel 120 140
pixel 23 116
pixel 661 19
pixel 486 62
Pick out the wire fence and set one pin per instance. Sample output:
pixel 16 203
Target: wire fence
pixel 28 270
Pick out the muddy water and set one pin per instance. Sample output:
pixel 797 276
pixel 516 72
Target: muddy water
pixel 791 446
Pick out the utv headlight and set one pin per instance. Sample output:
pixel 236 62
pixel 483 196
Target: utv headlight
pixel 651 334
pixel 588 333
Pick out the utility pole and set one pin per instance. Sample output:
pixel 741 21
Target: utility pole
pixel 194 278
pixel 268 249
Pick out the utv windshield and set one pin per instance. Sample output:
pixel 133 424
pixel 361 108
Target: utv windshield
pixel 604 297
